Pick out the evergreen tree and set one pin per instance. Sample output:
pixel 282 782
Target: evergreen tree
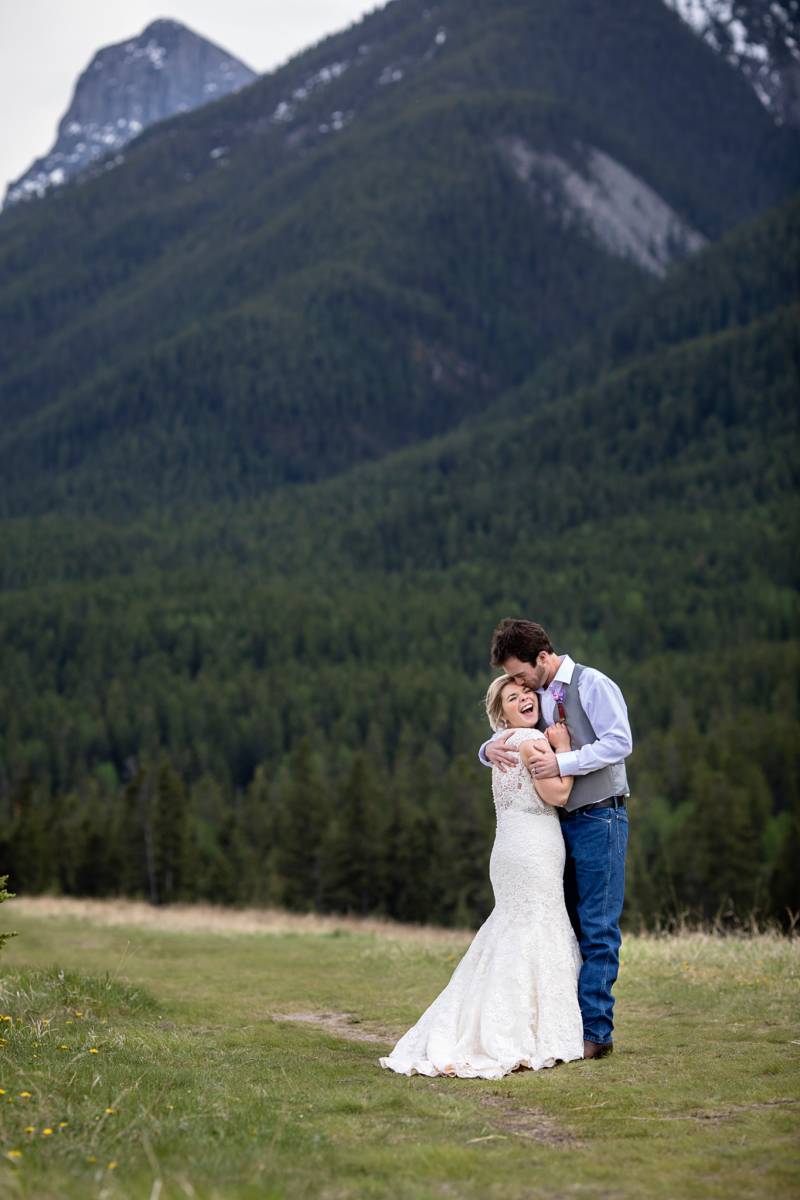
pixel 169 835
pixel 352 867
pixel 301 816
pixel 5 895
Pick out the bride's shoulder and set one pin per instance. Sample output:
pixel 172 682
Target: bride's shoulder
pixel 525 735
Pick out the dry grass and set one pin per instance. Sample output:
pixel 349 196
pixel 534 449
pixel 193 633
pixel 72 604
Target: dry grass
pixel 696 944
pixel 210 918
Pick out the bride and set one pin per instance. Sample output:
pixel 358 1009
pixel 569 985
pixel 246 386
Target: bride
pixel 512 1001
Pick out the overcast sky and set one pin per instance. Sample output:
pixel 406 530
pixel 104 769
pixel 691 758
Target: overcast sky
pixel 45 44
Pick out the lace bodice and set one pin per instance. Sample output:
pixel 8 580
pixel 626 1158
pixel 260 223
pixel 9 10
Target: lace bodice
pixel 513 788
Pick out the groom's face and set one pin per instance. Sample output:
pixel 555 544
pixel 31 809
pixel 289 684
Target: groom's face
pixel 532 675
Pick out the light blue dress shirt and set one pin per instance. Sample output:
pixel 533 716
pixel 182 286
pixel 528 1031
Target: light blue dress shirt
pixel 605 707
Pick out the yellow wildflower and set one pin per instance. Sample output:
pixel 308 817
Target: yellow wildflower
pixel 112 1166
pixel 93 1050
pixel 63 1124
pixel 110 1110
pixel 77 1012
pixel 5 1017
pixel 30 1129
pixel 46 1132
pixel 14 1154
pixel 63 1046
pixel 26 1095
pixel 2 1091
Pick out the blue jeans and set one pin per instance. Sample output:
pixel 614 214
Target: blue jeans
pixel 594 888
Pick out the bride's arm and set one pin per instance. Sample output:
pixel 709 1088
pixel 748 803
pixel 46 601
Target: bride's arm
pixel 551 791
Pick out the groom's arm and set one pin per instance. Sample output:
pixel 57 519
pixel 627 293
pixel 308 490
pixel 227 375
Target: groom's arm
pixel 605 707
pixel 494 752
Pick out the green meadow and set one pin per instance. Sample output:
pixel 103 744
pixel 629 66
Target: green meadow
pixel 156 1060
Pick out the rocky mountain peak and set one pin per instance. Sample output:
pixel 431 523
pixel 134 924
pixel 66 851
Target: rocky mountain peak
pixel 166 69
pixel 162 24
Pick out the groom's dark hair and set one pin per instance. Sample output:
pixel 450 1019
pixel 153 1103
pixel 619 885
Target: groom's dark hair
pixel 514 638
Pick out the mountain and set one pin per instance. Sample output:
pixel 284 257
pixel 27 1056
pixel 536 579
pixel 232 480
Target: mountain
pixel 363 249
pixel 468 312
pixel 271 691
pixel 126 88
pixel 760 39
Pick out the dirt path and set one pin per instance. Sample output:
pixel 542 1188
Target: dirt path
pixel 505 1117
pixel 343 1024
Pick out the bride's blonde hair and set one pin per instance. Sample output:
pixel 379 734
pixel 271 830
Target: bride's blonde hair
pixel 494 702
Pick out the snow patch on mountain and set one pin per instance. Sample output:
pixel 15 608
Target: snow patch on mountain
pixel 390 74
pixel 337 121
pixel 761 38
pixel 151 50
pixel 286 110
pixel 289 109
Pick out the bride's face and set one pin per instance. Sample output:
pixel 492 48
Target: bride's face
pixel 520 706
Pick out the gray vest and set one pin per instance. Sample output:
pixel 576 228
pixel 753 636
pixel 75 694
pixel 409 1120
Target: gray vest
pixel 597 785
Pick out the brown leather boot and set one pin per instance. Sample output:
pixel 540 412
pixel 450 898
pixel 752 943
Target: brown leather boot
pixel 597 1049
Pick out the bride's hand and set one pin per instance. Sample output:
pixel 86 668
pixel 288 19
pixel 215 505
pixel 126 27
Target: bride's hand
pixel 558 737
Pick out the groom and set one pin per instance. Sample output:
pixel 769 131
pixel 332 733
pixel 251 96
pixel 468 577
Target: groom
pixel 594 822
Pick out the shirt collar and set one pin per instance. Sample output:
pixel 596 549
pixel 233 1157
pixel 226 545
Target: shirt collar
pixel 564 672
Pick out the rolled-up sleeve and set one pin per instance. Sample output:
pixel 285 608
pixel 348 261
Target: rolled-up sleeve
pixel 605 707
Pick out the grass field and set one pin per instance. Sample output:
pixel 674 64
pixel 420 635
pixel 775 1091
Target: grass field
pixel 147 1054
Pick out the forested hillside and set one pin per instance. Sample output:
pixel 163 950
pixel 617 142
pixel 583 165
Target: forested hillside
pixel 363 248
pixel 279 700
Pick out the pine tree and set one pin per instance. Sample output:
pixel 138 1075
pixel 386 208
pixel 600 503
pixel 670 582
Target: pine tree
pixel 301 816
pixel 352 860
pixel 784 885
pixel 170 834
pixel 5 895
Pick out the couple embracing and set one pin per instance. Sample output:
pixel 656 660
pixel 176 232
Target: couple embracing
pixel 534 987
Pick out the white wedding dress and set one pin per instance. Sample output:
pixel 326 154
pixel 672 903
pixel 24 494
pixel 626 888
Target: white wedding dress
pixel 512 1001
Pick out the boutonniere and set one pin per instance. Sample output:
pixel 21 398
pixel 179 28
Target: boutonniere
pixel 557 693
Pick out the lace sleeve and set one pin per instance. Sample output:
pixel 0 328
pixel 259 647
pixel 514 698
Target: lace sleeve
pixel 524 735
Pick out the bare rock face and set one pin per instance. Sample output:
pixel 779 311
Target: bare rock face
pixel 616 208
pixel 166 70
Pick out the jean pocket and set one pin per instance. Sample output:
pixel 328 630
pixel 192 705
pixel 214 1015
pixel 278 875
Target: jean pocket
pixel 604 815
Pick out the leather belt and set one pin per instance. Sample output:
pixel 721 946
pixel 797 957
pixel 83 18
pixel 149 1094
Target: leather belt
pixel 611 802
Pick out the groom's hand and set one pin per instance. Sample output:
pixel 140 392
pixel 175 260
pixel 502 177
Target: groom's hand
pixel 499 755
pixel 545 763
